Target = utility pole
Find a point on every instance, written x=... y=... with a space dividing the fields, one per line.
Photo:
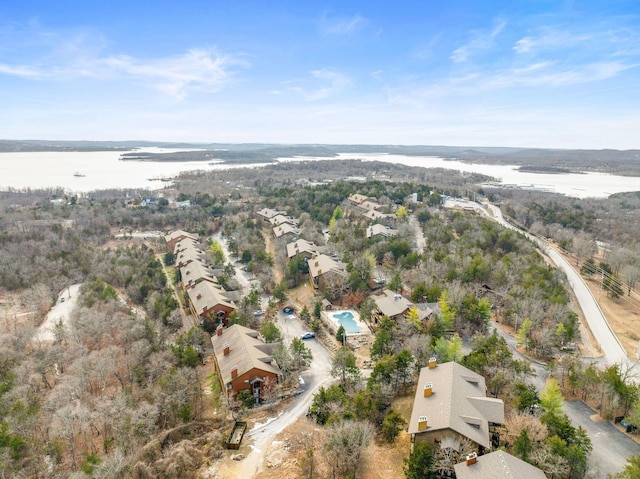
x=601 y=283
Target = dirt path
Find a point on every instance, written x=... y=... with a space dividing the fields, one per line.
x=278 y=275
x=59 y=312
x=188 y=321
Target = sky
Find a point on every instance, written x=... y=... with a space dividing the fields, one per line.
x=536 y=73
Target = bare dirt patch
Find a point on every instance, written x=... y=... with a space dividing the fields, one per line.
x=290 y=454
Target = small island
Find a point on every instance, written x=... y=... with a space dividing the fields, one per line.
x=553 y=170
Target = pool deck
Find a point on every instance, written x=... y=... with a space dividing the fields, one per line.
x=329 y=320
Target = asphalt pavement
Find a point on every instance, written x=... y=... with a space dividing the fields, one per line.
x=318 y=374
x=611 y=447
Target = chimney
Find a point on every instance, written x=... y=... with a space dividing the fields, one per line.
x=198 y=296
x=219 y=330
x=472 y=458
x=422 y=423
x=428 y=389
x=316 y=263
x=234 y=372
x=226 y=348
x=433 y=361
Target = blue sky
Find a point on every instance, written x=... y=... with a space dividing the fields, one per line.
x=477 y=73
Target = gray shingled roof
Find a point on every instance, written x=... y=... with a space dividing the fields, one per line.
x=321 y=264
x=178 y=233
x=269 y=213
x=196 y=271
x=186 y=244
x=458 y=402
x=189 y=254
x=246 y=351
x=207 y=295
x=281 y=219
x=390 y=303
x=300 y=246
x=285 y=228
x=498 y=465
x=380 y=230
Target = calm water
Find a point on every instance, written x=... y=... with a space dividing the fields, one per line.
x=101 y=170
x=104 y=170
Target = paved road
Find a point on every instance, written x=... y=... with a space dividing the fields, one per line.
x=318 y=374
x=613 y=350
x=611 y=447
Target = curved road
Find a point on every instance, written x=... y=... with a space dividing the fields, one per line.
x=613 y=350
x=317 y=375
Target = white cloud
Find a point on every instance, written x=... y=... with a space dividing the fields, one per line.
x=324 y=83
x=197 y=69
x=24 y=71
x=343 y=25
x=81 y=53
x=481 y=40
x=552 y=39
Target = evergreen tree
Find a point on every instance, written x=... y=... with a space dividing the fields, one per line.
x=419 y=465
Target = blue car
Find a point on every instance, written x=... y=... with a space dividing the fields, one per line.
x=288 y=310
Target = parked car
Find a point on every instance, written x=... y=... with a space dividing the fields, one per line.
x=258 y=313
x=287 y=310
x=307 y=335
x=62 y=300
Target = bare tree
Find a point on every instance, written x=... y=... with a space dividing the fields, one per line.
x=270 y=393
x=584 y=248
x=344 y=446
x=630 y=272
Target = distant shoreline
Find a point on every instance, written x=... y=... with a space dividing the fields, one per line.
x=549 y=170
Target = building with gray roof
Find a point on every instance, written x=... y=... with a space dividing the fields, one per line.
x=497 y=465
x=451 y=405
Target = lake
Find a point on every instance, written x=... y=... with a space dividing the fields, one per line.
x=104 y=170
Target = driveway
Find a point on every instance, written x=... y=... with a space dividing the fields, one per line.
x=244 y=278
x=611 y=447
x=317 y=375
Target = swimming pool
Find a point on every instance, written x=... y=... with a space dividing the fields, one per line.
x=346 y=319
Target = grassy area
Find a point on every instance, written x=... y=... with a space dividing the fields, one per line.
x=215 y=388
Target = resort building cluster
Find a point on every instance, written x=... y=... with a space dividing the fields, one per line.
x=451 y=410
